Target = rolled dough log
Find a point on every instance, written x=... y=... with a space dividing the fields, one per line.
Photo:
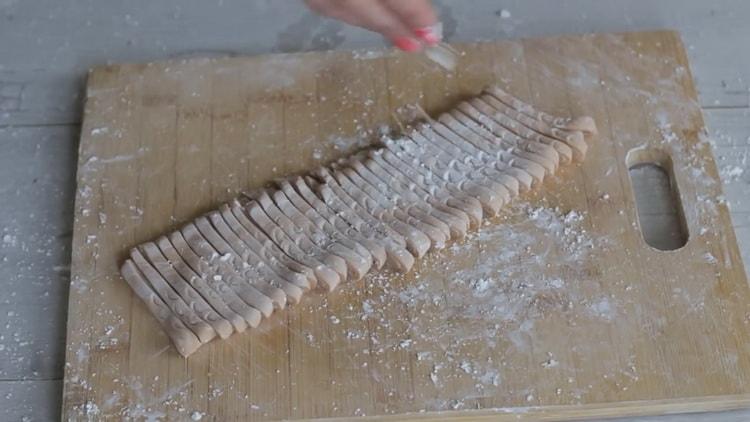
x=183 y=339
x=322 y=217
x=271 y=248
x=519 y=180
x=328 y=277
x=358 y=264
x=253 y=268
x=195 y=298
x=397 y=256
x=217 y=299
x=250 y=314
x=556 y=138
x=255 y=278
x=436 y=230
x=456 y=220
x=220 y=269
x=584 y=124
x=300 y=237
x=385 y=206
x=420 y=178
x=511 y=143
x=417 y=242
x=177 y=304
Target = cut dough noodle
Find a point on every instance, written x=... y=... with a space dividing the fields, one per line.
x=232 y=268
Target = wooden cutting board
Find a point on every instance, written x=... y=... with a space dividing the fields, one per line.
x=558 y=308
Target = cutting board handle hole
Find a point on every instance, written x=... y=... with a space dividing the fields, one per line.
x=661 y=216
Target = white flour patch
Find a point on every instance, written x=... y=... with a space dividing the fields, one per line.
x=9 y=240
x=602 y=308
x=362 y=139
x=348 y=144
x=370 y=54
x=478 y=305
x=731 y=173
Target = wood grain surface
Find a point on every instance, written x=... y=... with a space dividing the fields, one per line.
x=557 y=309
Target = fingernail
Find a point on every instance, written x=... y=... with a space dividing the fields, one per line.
x=427 y=35
x=407 y=44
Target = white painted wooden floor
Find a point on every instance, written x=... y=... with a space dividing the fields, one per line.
x=47 y=45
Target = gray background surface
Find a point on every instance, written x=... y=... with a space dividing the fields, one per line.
x=46 y=46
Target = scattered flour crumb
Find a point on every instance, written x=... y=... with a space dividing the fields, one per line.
x=9 y=239
x=481 y=285
x=710 y=258
x=731 y=173
x=91 y=408
x=603 y=309
x=572 y=217
x=550 y=363
x=423 y=355
x=556 y=283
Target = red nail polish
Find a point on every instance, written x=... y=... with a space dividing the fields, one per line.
x=407 y=44
x=427 y=35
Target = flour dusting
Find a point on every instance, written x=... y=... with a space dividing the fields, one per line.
x=488 y=298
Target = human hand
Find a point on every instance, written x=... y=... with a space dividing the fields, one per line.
x=408 y=24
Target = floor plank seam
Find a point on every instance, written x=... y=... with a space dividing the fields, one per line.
x=38 y=125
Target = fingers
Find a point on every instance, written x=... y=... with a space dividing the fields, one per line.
x=369 y=14
x=417 y=15
x=403 y=22
x=374 y=15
